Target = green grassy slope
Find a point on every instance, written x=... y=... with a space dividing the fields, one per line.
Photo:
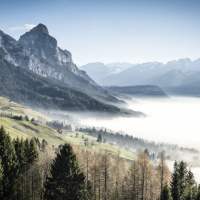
x=27 y=129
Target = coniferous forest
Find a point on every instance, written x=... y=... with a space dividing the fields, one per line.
x=31 y=169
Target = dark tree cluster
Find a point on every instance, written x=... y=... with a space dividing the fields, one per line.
x=59 y=125
x=182 y=186
x=33 y=170
x=15 y=117
x=16 y=158
x=66 y=180
x=26 y=172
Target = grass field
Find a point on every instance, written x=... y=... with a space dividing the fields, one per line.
x=27 y=129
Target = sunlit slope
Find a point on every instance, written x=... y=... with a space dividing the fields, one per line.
x=28 y=129
x=10 y=107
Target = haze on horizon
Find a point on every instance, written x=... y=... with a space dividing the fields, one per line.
x=112 y=31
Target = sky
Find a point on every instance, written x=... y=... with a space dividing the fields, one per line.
x=111 y=30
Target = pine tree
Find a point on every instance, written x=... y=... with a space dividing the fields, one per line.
x=1 y=181
x=182 y=174
x=190 y=179
x=162 y=171
x=30 y=151
x=99 y=138
x=33 y=152
x=30 y=157
x=175 y=183
x=191 y=188
x=19 y=150
x=165 y=193
x=183 y=185
x=9 y=165
x=66 y=181
x=198 y=193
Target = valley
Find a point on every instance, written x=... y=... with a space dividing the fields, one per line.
x=127 y=135
x=99 y=100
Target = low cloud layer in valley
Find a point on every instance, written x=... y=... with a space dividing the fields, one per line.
x=172 y=120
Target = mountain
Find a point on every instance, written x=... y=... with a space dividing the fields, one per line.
x=22 y=85
x=98 y=71
x=136 y=75
x=139 y=90
x=35 y=71
x=131 y=74
x=38 y=51
x=178 y=77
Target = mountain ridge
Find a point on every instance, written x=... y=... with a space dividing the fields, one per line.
x=39 y=52
x=22 y=85
x=138 y=90
x=36 y=59
x=173 y=76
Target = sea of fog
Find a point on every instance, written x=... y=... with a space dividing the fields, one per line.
x=174 y=120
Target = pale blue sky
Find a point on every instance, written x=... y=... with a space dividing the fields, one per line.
x=112 y=30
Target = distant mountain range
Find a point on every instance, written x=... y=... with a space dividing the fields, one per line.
x=177 y=77
x=138 y=91
x=36 y=71
x=99 y=71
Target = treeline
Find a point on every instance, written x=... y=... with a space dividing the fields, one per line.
x=21 y=169
x=127 y=141
x=16 y=160
x=59 y=125
x=19 y=117
x=182 y=186
x=33 y=170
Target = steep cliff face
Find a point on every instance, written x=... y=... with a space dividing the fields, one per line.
x=8 y=48
x=35 y=71
x=46 y=58
x=24 y=86
x=38 y=51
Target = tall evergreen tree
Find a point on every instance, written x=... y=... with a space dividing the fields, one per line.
x=19 y=150
x=66 y=181
x=1 y=180
x=99 y=138
x=191 y=187
x=175 y=183
x=30 y=151
x=33 y=152
x=182 y=174
x=165 y=193
x=183 y=186
x=198 y=193
x=9 y=165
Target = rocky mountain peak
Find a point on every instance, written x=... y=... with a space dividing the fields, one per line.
x=39 y=34
x=40 y=44
x=38 y=51
x=40 y=28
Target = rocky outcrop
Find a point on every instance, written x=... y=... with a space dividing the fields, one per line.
x=38 y=51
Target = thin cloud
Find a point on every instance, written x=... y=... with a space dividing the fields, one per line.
x=25 y=27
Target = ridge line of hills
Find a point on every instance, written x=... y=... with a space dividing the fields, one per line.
x=177 y=77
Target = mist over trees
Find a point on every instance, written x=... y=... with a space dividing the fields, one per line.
x=138 y=144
